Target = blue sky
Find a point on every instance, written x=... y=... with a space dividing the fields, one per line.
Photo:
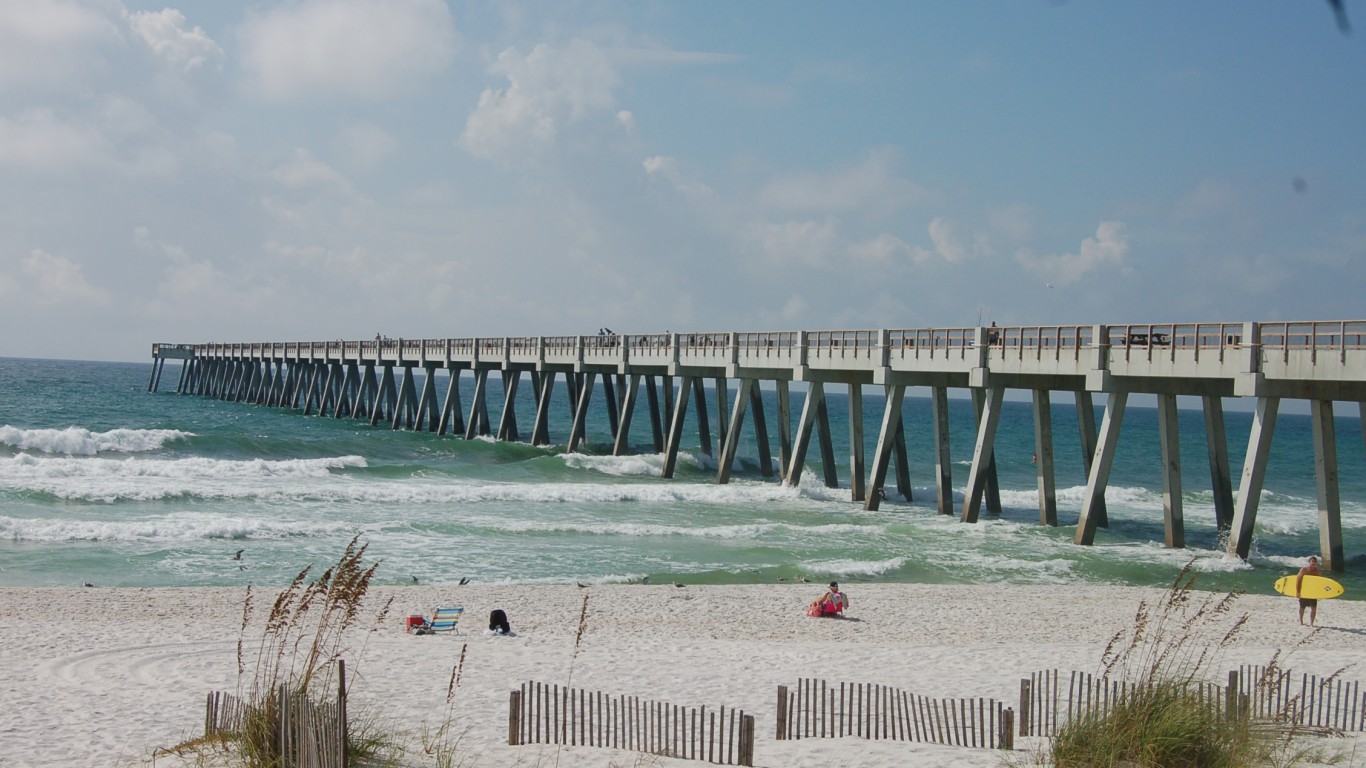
x=210 y=171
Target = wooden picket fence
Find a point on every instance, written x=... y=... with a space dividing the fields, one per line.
x=1048 y=699
x=305 y=734
x=1305 y=700
x=817 y=709
x=541 y=713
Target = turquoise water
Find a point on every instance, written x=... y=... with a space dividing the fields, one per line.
x=103 y=482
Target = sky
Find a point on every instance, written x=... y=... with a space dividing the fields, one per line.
x=205 y=171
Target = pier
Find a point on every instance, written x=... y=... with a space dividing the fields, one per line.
x=1322 y=362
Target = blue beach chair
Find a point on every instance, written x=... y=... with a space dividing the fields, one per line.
x=443 y=620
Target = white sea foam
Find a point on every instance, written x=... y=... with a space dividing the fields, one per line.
x=77 y=441
x=98 y=479
x=741 y=531
x=852 y=568
x=174 y=528
x=639 y=465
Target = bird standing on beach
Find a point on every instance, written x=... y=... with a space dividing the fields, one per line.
x=679 y=585
x=88 y=584
x=414 y=579
x=581 y=585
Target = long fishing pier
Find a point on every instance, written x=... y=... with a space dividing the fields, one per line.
x=1322 y=362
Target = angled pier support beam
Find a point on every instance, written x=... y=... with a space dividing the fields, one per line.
x=982 y=458
x=731 y=443
x=1254 y=474
x=311 y=389
x=656 y=426
x=578 y=430
x=609 y=396
x=1043 y=458
x=901 y=462
x=360 y=405
x=385 y=398
x=478 y=424
x=540 y=433
x=507 y=422
x=667 y=384
x=826 y=443
x=327 y=392
x=452 y=419
x=993 y=483
x=427 y=409
x=756 y=406
x=1086 y=424
x=699 y=394
x=886 y=438
x=1169 y=435
x=1326 y=474
x=812 y=409
x=943 y=460
x=679 y=415
x=406 y=407
x=630 y=393
x=722 y=406
x=1099 y=474
x=785 y=427
x=1216 y=443
x=857 y=490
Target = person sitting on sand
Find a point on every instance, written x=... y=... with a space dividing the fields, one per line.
x=832 y=603
x=1312 y=569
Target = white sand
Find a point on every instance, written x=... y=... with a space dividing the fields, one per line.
x=105 y=676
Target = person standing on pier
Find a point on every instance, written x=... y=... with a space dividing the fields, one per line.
x=1312 y=569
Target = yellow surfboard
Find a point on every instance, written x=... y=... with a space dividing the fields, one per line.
x=1315 y=587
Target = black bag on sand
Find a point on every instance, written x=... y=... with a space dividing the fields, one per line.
x=498 y=622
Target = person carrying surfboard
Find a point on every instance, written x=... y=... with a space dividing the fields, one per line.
x=1312 y=569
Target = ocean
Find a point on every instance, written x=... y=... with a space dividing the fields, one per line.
x=102 y=482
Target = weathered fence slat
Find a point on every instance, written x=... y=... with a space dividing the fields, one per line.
x=545 y=713
x=815 y=708
x=1260 y=693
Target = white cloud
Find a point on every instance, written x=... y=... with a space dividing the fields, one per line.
x=885 y=250
x=365 y=146
x=547 y=89
x=802 y=243
x=1106 y=249
x=56 y=281
x=367 y=49
x=871 y=185
x=659 y=166
x=1015 y=222
x=50 y=42
x=39 y=140
x=1209 y=198
x=164 y=32
x=948 y=242
x=303 y=170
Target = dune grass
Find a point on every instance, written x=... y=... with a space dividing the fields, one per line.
x=1162 y=720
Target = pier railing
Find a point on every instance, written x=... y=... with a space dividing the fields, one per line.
x=1316 y=337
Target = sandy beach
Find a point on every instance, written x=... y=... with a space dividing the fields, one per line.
x=107 y=676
